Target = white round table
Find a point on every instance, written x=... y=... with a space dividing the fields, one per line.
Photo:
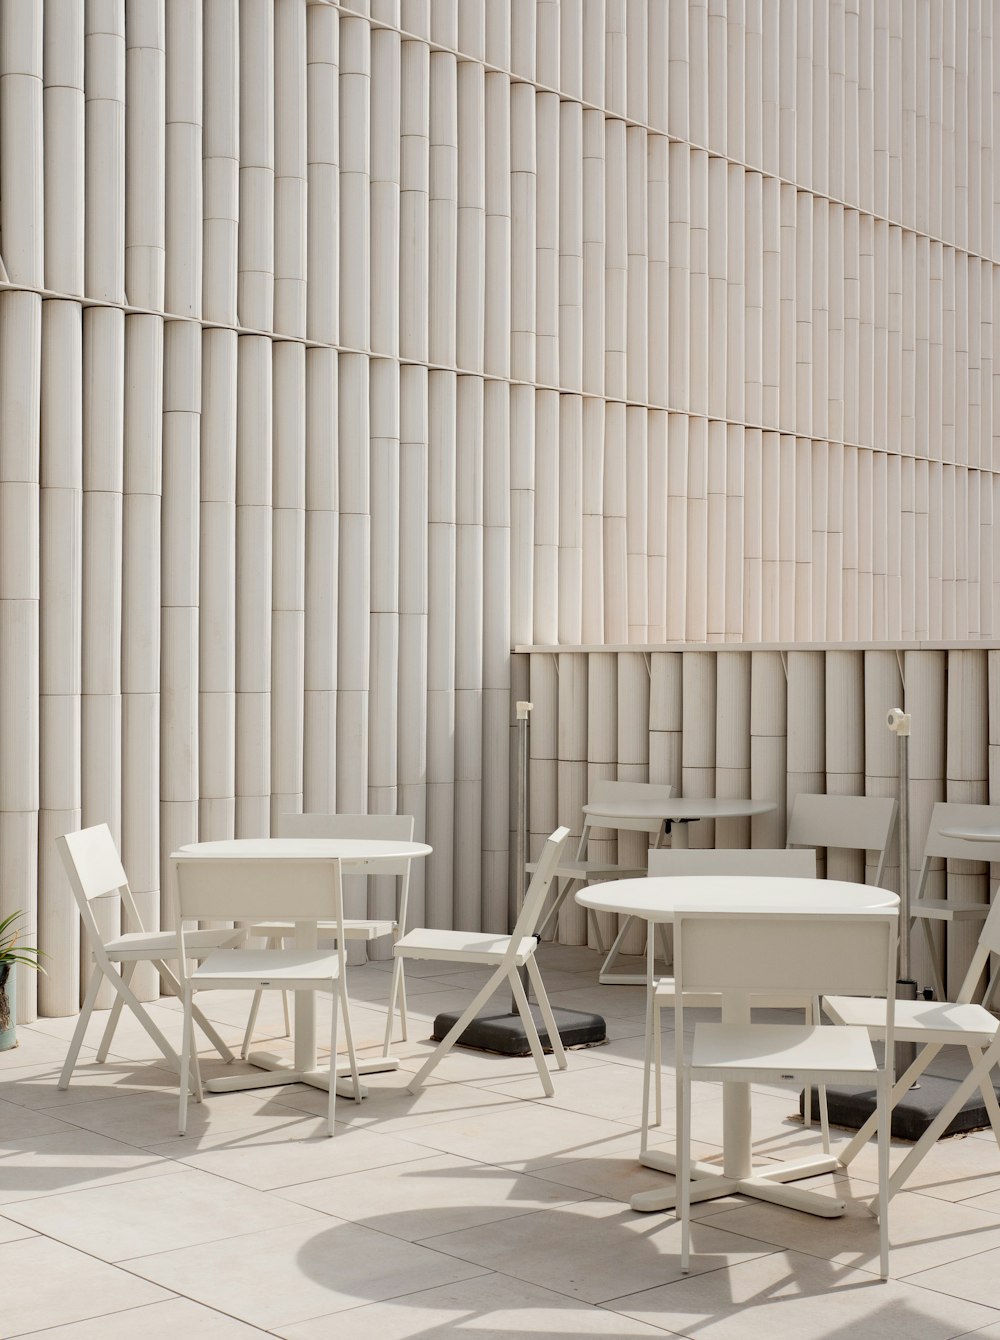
x=356 y=855
x=679 y=810
x=655 y=899
x=675 y=813
x=972 y=833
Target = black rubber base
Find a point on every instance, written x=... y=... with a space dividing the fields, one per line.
x=851 y=1107
x=504 y=1033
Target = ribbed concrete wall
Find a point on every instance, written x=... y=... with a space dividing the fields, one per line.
x=770 y=722
x=343 y=346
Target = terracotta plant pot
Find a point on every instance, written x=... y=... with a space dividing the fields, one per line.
x=8 y=1007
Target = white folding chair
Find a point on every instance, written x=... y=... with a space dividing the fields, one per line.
x=946 y=814
x=799 y=864
x=382 y=827
x=95 y=871
x=761 y=952
x=211 y=888
x=854 y=823
x=935 y=1024
x=581 y=870
x=505 y=954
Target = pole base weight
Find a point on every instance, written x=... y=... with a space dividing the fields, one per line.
x=504 y=1033
x=852 y=1106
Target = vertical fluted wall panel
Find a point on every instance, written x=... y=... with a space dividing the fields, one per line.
x=179 y=593
x=146 y=426
x=253 y=585
x=693 y=312
x=103 y=469
x=288 y=525
x=59 y=647
x=290 y=167
x=217 y=587
x=20 y=380
x=323 y=184
x=64 y=137
x=221 y=161
x=441 y=590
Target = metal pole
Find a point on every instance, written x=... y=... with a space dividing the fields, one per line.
x=906 y=988
x=521 y=846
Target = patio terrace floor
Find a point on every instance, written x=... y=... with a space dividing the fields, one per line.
x=475 y=1208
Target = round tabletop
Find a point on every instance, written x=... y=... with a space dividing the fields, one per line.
x=971 y=834
x=344 y=849
x=656 y=898
x=681 y=809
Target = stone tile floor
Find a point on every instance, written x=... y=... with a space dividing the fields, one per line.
x=475 y=1208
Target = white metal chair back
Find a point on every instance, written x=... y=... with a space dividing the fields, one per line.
x=217 y=888
x=605 y=790
x=777 y=861
x=94 y=869
x=778 y=952
x=379 y=827
x=246 y=889
x=534 y=898
x=856 y=823
x=989 y=943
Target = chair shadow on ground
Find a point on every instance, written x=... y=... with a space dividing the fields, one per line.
x=639 y=1254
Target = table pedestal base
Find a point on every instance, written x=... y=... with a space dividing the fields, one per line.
x=711 y=1182
x=275 y=1069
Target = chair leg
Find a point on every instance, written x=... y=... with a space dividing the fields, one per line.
x=128 y=972
x=352 y=1058
x=251 y=1023
x=135 y=1005
x=541 y=995
x=595 y=925
x=208 y=1029
x=925 y=923
x=944 y=1118
x=404 y=1018
x=647 y=1045
x=187 y=1047
x=661 y=931
x=531 y=1032
x=901 y=1087
x=988 y=1092
x=614 y=951
x=330 y=1127
x=93 y=986
x=815 y=1016
x=683 y=1152
x=552 y=916
x=397 y=970
x=658 y=1064
x=457 y=1029
x=885 y=1121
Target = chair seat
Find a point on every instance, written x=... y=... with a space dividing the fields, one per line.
x=924 y=1021
x=359 y=929
x=793 y=1051
x=593 y=870
x=943 y=909
x=461 y=946
x=666 y=993
x=163 y=944
x=266 y=967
